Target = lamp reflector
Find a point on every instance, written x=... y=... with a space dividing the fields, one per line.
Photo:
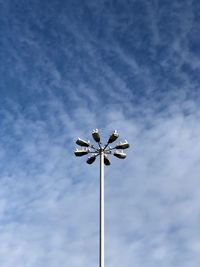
x=96 y=135
x=106 y=161
x=120 y=155
x=123 y=145
x=81 y=152
x=113 y=137
x=82 y=142
x=91 y=159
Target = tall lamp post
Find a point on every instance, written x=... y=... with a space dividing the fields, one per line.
x=102 y=151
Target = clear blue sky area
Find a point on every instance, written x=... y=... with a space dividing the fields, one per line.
x=67 y=67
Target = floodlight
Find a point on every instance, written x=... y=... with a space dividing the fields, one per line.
x=106 y=161
x=81 y=152
x=120 y=155
x=91 y=159
x=82 y=142
x=113 y=137
x=95 y=135
x=101 y=150
x=123 y=145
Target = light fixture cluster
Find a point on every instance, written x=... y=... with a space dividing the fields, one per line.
x=88 y=148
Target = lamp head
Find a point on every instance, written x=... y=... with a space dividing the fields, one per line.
x=96 y=135
x=123 y=145
x=82 y=142
x=106 y=161
x=113 y=137
x=91 y=159
x=81 y=152
x=119 y=155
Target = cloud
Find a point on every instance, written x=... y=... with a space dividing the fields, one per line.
x=99 y=67
x=49 y=199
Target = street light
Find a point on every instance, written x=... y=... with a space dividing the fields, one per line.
x=123 y=145
x=81 y=152
x=95 y=135
x=119 y=154
x=113 y=137
x=91 y=159
x=102 y=151
x=82 y=142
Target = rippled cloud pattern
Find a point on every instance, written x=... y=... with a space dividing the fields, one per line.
x=68 y=67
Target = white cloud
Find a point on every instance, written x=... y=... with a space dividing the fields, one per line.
x=49 y=199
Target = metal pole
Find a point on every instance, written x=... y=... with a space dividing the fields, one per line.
x=101 y=239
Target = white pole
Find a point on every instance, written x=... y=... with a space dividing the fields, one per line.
x=101 y=239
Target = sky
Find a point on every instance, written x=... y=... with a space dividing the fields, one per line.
x=68 y=67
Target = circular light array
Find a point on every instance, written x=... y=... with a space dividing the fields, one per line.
x=88 y=148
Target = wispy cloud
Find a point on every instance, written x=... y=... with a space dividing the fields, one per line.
x=67 y=69
x=49 y=200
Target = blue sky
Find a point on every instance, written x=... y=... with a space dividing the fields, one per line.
x=68 y=67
